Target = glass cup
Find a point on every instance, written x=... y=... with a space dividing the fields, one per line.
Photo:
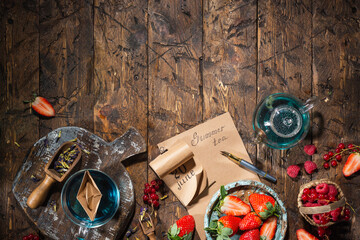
x=281 y=120
x=108 y=206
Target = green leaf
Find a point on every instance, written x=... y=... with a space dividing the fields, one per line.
x=223 y=192
x=269 y=206
x=187 y=236
x=226 y=231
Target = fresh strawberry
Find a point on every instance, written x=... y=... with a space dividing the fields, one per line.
x=42 y=106
x=250 y=235
x=268 y=229
x=302 y=234
x=182 y=229
x=226 y=227
x=234 y=206
x=264 y=205
x=352 y=164
x=250 y=221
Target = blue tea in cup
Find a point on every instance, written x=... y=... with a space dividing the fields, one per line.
x=281 y=120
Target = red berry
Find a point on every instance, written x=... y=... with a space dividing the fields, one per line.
x=36 y=238
x=156 y=187
x=332 y=199
x=306 y=191
x=333 y=163
x=305 y=197
x=312 y=190
x=159 y=182
x=154 y=196
x=146 y=198
x=330 y=154
x=346 y=218
x=347 y=212
x=321 y=231
x=328 y=232
x=338 y=158
x=350 y=146
x=155 y=203
x=341 y=146
x=150 y=202
x=337 y=150
x=153 y=182
x=326 y=165
x=25 y=238
x=326 y=157
x=147 y=185
x=313 y=197
x=147 y=190
x=153 y=190
x=309 y=149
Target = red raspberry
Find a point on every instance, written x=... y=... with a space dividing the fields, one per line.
x=321 y=231
x=293 y=171
x=309 y=204
x=310 y=149
x=332 y=190
x=310 y=167
x=316 y=218
x=335 y=214
x=322 y=188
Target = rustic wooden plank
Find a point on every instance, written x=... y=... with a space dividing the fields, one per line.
x=66 y=52
x=284 y=65
x=336 y=51
x=19 y=73
x=175 y=100
x=229 y=64
x=120 y=35
x=120 y=78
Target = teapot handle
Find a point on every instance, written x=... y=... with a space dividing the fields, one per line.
x=310 y=103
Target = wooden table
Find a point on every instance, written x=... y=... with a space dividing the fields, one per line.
x=164 y=66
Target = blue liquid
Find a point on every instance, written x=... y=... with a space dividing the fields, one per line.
x=108 y=204
x=283 y=121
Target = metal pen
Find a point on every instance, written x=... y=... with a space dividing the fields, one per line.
x=249 y=166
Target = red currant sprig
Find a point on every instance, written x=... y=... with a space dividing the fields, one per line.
x=340 y=151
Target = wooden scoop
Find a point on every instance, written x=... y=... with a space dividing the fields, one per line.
x=38 y=196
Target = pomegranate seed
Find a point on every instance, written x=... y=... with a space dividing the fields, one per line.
x=338 y=158
x=341 y=146
x=326 y=165
x=330 y=154
x=326 y=157
x=333 y=163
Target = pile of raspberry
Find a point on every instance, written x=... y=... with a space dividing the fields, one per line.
x=324 y=194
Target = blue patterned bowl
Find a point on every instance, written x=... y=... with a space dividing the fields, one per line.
x=243 y=189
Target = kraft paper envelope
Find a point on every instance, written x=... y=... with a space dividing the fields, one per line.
x=206 y=141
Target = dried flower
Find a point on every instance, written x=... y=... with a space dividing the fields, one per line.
x=18 y=145
x=53 y=204
x=34 y=178
x=58 y=136
x=65 y=159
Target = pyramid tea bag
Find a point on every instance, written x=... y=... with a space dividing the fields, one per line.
x=89 y=195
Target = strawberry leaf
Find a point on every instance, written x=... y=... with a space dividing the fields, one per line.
x=226 y=231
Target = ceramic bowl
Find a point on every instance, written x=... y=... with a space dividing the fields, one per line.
x=243 y=189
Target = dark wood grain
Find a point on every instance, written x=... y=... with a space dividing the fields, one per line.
x=164 y=66
x=175 y=102
x=19 y=79
x=336 y=76
x=284 y=65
